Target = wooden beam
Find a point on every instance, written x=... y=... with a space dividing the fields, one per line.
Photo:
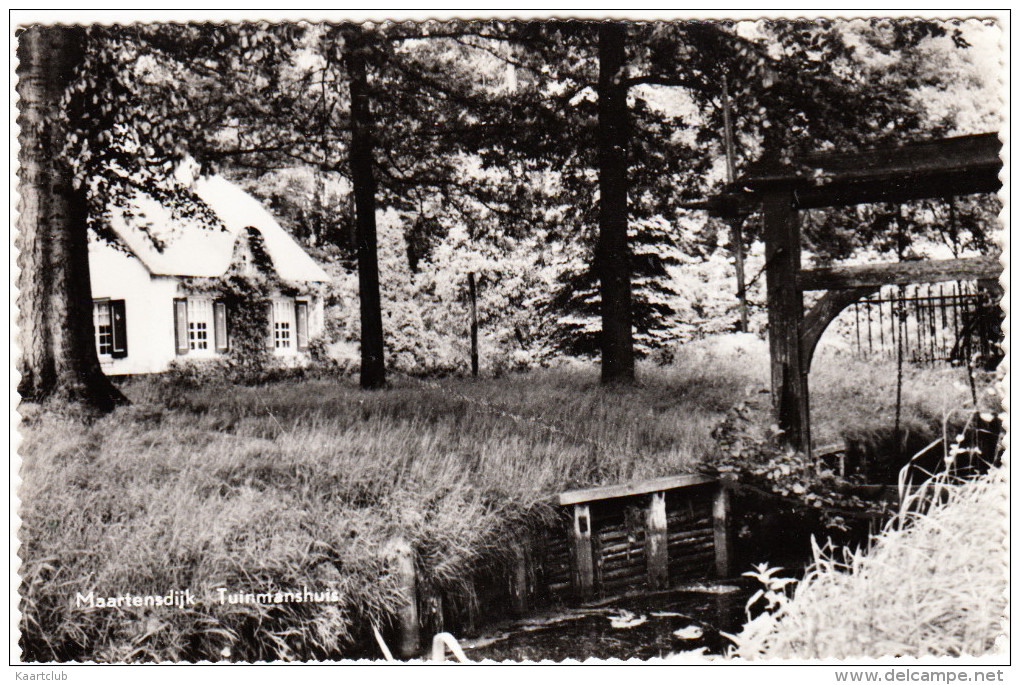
x=641 y=487
x=821 y=315
x=899 y=273
x=932 y=168
x=785 y=312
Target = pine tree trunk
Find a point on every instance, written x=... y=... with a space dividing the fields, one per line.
x=612 y=258
x=58 y=353
x=373 y=369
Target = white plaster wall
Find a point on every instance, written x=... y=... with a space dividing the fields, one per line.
x=316 y=317
x=148 y=305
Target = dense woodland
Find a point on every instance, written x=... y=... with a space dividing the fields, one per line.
x=532 y=186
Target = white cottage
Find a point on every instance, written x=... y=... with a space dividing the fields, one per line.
x=144 y=314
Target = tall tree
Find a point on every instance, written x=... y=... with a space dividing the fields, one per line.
x=58 y=352
x=373 y=367
x=612 y=257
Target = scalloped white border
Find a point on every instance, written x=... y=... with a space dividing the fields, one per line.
x=788 y=672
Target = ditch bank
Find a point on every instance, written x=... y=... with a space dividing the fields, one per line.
x=638 y=570
x=604 y=542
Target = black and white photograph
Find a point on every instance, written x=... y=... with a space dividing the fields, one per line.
x=510 y=339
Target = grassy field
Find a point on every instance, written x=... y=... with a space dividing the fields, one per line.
x=305 y=482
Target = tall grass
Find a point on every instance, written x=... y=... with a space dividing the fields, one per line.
x=934 y=583
x=855 y=399
x=305 y=482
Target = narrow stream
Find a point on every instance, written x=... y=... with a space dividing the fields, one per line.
x=641 y=626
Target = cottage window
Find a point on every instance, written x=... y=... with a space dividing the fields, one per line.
x=288 y=328
x=103 y=322
x=109 y=319
x=200 y=325
x=283 y=315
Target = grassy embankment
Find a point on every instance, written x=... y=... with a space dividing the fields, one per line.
x=303 y=483
x=932 y=584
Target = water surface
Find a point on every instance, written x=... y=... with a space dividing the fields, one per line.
x=641 y=626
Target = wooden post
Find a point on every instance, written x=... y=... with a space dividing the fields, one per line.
x=520 y=582
x=582 y=569
x=737 y=236
x=401 y=560
x=720 y=524
x=736 y=223
x=473 y=300
x=656 y=542
x=786 y=312
x=432 y=621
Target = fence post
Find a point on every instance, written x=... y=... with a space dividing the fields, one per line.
x=657 y=542
x=721 y=530
x=582 y=571
x=401 y=558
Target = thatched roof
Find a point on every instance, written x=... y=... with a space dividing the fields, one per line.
x=191 y=249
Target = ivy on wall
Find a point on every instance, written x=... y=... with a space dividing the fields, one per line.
x=246 y=290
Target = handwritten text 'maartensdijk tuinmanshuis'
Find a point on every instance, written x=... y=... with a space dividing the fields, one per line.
x=183 y=599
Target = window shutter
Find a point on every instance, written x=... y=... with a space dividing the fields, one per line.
x=270 y=342
x=181 y=325
x=220 y=326
x=118 y=315
x=301 y=324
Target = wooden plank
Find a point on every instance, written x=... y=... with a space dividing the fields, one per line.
x=785 y=313
x=684 y=548
x=582 y=568
x=656 y=542
x=627 y=489
x=692 y=534
x=721 y=515
x=899 y=273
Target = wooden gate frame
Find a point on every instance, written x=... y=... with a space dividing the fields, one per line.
x=940 y=168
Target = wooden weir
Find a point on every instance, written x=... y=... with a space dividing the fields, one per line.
x=649 y=534
x=646 y=534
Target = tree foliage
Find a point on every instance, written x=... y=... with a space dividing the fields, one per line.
x=485 y=140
